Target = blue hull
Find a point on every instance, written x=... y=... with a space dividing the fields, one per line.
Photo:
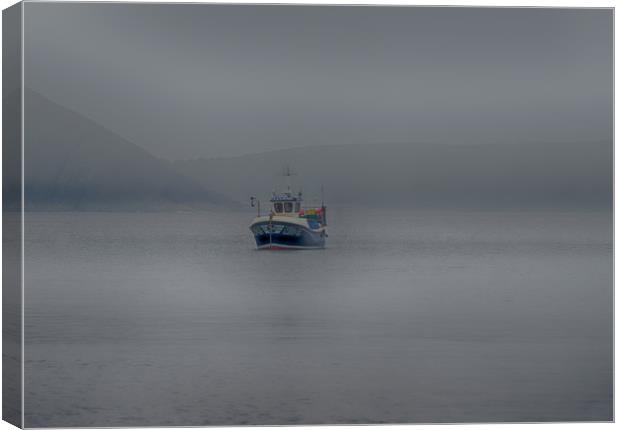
x=283 y=235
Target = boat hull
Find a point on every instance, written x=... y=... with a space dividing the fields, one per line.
x=282 y=235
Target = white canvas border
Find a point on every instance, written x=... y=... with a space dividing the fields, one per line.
x=479 y=3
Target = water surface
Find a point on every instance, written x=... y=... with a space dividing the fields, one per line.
x=407 y=316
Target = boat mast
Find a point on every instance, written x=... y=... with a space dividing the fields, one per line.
x=287 y=174
x=323 y=208
x=255 y=202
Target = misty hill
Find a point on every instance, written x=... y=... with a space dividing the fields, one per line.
x=71 y=162
x=426 y=175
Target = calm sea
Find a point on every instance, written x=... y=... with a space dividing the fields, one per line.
x=407 y=316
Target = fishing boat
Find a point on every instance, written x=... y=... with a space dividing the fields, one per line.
x=288 y=224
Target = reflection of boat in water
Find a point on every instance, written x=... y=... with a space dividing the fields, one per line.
x=289 y=225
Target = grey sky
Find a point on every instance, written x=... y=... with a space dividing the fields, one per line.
x=186 y=81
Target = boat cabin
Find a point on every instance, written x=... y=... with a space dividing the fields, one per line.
x=286 y=203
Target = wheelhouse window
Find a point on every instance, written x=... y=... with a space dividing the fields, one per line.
x=297 y=207
x=288 y=207
x=277 y=207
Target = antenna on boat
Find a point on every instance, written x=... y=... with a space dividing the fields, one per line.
x=287 y=173
x=323 y=208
